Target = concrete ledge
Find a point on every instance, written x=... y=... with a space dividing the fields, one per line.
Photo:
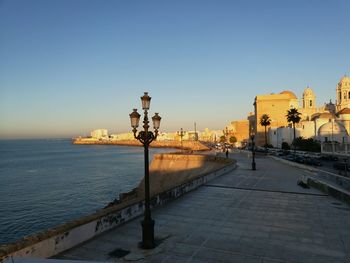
x=188 y=145
x=294 y=164
x=339 y=180
x=335 y=185
x=330 y=189
x=66 y=236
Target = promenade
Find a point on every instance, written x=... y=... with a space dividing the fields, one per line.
x=243 y=216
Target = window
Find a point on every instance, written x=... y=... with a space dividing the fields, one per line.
x=310 y=103
x=349 y=94
x=325 y=139
x=339 y=96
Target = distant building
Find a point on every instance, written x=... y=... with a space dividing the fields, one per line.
x=99 y=134
x=210 y=135
x=240 y=130
x=123 y=136
x=312 y=117
x=166 y=136
x=276 y=106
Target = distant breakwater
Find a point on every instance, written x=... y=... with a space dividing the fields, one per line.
x=186 y=145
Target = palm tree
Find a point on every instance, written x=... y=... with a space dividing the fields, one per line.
x=265 y=121
x=293 y=116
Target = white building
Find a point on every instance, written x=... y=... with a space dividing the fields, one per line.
x=277 y=136
x=123 y=136
x=99 y=134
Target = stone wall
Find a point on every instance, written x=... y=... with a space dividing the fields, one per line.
x=66 y=236
x=188 y=145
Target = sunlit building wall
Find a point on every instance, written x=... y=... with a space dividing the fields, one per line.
x=99 y=134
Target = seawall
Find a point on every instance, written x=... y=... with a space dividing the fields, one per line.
x=172 y=175
x=188 y=145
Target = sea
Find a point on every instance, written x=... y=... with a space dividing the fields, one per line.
x=44 y=183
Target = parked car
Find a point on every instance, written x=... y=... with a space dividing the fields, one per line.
x=299 y=159
x=340 y=165
x=312 y=161
x=329 y=158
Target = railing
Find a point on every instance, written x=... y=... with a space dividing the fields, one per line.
x=335 y=148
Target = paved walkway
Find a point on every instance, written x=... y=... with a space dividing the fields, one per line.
x=243 y=216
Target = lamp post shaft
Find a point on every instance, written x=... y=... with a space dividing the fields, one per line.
x=181 y=136
x=253 y=154
x=147 y=223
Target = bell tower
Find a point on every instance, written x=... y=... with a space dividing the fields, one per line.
x=309 y=99
x=309 y=103
x=343 y=93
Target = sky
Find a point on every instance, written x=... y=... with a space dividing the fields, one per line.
x=69 y=66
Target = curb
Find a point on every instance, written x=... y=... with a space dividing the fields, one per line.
x=332 y=190
x=326 y=187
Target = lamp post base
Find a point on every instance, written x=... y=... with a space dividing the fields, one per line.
x=147 y=234
x=253 y=166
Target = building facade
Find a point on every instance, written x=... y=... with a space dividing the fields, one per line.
x=99 y=134
x=240 y=130
x=312 y=117
x=276 y=106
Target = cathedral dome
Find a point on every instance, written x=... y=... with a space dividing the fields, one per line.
x=335 y=129
x=291 y=94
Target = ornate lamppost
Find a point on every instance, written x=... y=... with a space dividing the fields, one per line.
x=181 y=136
x=146 y=137
x=252 y=137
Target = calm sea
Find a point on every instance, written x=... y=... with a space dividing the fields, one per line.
x=44 y=183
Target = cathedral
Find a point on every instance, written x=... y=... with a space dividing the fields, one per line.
x=328 y=123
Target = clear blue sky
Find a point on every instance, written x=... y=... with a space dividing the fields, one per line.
x=70 y=66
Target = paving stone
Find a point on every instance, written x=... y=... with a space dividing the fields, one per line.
x=271 y=220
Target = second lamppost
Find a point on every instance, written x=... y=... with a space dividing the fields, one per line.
x=146 y=137
x=252 y=137
x=181 y=136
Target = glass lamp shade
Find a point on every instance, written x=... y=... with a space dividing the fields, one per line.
x=156 y=121
x=146 y=101
x=135 y=118
x=252 y=131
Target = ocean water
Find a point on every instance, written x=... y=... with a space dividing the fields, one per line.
x=44 y=183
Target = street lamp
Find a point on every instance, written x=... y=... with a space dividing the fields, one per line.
x=146 y=137
x=181 y=136
x=252 y=137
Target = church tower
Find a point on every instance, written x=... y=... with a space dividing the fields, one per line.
x=343 y=93
x=309 y=103
x=309 y=99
